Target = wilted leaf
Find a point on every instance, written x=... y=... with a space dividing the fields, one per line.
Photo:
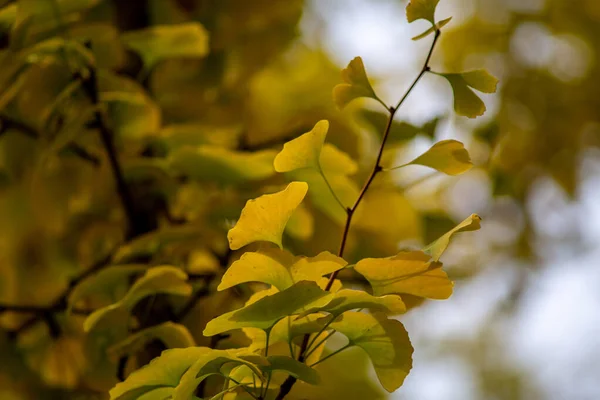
x=279 y=268
x=436 y=27
x=421 y=9
x=466 y=102
x=162 y=42
x=172 y=335
x=266 y=312
x=384 y=340
x=447 y=156
x=164 y=371
x=411 y=272
x=304 y=151
x=437 y=248
x=217 y=164
x=264 y=218
x=357 y=84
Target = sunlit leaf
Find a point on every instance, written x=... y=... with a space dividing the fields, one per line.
x=409 y=272
x=356 y=84
x=264 y=218
x=172 y=335
x=162 y=42
x=279 y=268
x=348 y=299
x=447 y=156
x=439 y=25
x=421 y=9
x=304 y=151
x=163 y=371
x=466 y=102
x=293 y=367
x=384 y=340
x=217 y=164
x=437 y=248
x=266 y=312
x=301 y=224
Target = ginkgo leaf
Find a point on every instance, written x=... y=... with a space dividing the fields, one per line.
x=408 y=272
x=439 y=25
x=466 y=102
x=293 y=367
x=279 y=268
x=164 y=371
x=304 y=151
x=161 y=42
x=264 y=218
x=421 y=9
x=347 y=299
x=133 y=114
x=447 y=156
x=217 y=164
x=207 y=365
x=103 y=282
x=356 y=84
x=384 y=340
x=172 y=335
x=334 y=161
x=114 y=315
x=165 y=279
x=437 y=248
x=266 y=312
x=400 y=131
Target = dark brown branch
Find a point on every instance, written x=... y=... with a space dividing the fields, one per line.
x=287 y=385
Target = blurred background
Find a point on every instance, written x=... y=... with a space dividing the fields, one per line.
x=523 y=322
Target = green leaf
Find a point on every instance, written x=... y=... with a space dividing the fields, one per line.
x=279 y=268
x=216 y=164
x=421 y=9
x=347 y=299
x=107 y=318
x=356 y=84
x=161 y=42
x=134 y=115
x=293 y=367
x=164 y=371
x=165 y=279
x=384 y=340
x=447 y=156
x=304 y=151
x=264 y=218
x=266 y=312
x=408 y=272
x=172 y=335
x=434 y=28
x=209 y=364
x=103 y=282
x=466 y=102
x=437 y=248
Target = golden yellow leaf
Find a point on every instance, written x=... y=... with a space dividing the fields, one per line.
x=447 y=156
x=356 y=84
x=304 y=151
x=264 y=218
x=437 y=248
x=421 y=9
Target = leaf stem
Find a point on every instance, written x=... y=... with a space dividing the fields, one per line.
x=331 y=355
x=313 y=349
x=331 y=188
x=287 y=385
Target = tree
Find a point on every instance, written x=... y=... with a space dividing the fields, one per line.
x=127 y=157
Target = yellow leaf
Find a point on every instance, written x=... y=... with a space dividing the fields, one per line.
x=264 y=218
x=304 y=151
x=421 y=9
x=466 y=102
x=356 y=84
x=447 y=156
x=437 y=248
x=411 y=272
x=279 y=268
x=434 y=28
x=301 y=224
x=336 y=162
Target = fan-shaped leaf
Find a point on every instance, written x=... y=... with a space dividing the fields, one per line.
x=264 y=218
x=447 y=156
x=293 y=367
x=411 y=272
x=265 y=312
x=279 y=268
x=166 y=279
x=421 y=9
x=466 y=102
x=356 y=84
x=384 y=340
x=172 y=335
x=347 y=299
x=304 y=151
x=437 y=248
